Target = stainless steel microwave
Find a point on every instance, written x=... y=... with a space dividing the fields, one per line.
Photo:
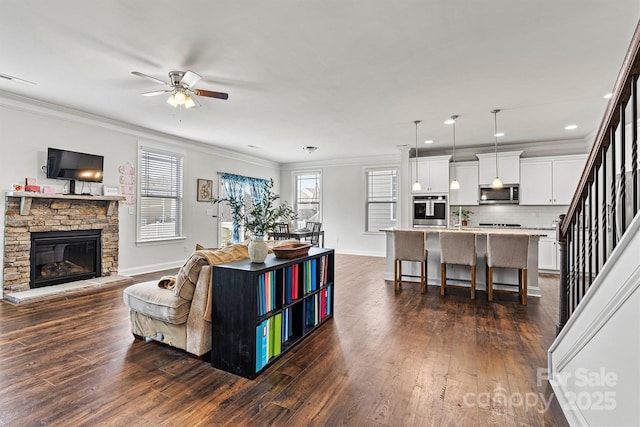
x=509 y=194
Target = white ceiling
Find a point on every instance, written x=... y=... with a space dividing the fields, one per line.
x=349 y=76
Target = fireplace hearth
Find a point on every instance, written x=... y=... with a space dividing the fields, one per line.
x=64 y=256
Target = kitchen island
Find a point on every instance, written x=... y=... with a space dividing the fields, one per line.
x=461 y=274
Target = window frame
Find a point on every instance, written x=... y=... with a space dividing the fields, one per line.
x=295 y=179
x=177 y=187
x=393 y=201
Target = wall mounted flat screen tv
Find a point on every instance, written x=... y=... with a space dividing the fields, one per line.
x=65 y=164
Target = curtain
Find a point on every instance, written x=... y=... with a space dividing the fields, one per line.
x=236 y=186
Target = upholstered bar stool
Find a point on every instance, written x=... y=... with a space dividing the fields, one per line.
x=457 y=248
x=508 y=251
x=409 y=245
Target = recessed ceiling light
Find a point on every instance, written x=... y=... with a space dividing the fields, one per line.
x=254 y=147
x=429 y=141
x=499 y=134
x=571 y=127
x=608 y=96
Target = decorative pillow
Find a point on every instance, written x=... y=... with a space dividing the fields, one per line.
x=187 y=276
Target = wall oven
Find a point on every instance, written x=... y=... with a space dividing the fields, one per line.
x=430 y=211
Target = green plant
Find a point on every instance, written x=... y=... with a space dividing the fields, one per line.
x=464 y=213
x=262 y=216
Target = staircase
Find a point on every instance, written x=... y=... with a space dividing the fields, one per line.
x=594 y=363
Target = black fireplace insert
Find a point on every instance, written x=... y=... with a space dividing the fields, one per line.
x=65 y=256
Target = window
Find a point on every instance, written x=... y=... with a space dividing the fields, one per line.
x=307 y=198
x=382 y=196
x=160 y=196
x=244 y=189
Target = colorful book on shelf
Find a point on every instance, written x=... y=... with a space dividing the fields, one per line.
x=324 y=271
x=262 y=337
x=260 y=297
x=314 y=274
x=277 y=334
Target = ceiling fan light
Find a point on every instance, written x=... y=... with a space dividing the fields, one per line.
x=189 y=103
x=172 y=100
x=496 y=184
x=180 y=97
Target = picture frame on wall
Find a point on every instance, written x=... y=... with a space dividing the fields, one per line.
x=205 y=187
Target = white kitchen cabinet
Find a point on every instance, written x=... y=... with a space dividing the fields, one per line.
x=467 y=175
x=548 y=253
x=433 y=174
x=550 y=180
x=566 y=174
x=508 y=167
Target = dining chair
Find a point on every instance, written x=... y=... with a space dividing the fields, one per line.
x=315 y=228
x=508 y=251
x=460 y=249
x=409 y=245
x=281 y=231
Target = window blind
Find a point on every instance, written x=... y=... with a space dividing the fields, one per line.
x=381 y=204
x=160 y=200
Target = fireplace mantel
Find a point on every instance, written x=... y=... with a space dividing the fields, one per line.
x=26 y=198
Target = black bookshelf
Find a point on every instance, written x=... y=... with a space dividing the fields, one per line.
x=301 y=292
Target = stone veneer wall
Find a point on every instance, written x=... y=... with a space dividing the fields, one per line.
x=55 y=215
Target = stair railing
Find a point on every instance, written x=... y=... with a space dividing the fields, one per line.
x=606 y=199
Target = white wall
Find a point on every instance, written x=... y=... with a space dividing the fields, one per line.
x=28 y=128
x=343 y=201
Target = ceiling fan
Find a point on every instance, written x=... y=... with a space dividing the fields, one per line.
x=181 y=88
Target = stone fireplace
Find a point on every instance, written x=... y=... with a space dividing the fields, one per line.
x=90 y=225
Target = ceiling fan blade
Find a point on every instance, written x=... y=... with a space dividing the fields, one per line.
x=156 y=92
x=144 y=76
x=211 y=94
x=190 y=79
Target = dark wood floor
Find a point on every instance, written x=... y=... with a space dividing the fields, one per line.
x=384 y=360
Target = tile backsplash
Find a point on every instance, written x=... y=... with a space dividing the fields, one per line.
x=528 y=216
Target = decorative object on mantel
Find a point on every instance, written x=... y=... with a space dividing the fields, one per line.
x=128 y=183
x=110 y=191
x=204 y=190
x=260 y=218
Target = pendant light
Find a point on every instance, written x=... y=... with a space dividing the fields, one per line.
x=497 y=182
x=416 y=185
x=455 y=185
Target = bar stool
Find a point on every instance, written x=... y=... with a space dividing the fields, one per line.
x=409 y=245
x=508 y=251
x=457 y=248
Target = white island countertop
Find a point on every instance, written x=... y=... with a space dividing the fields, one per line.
x=475 y=230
